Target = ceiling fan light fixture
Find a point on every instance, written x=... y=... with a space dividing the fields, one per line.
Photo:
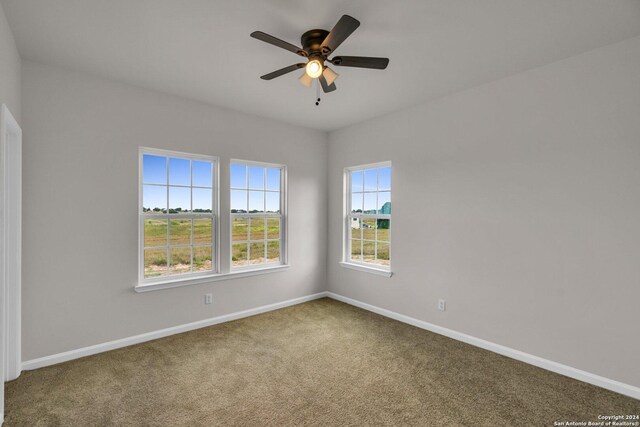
x=313 y=69
x=317 y=45
x=305 y=79
x=330 y=75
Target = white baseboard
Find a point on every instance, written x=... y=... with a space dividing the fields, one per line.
x=124 y=342
x=549 y=365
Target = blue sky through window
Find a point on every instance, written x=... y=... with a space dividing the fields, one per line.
x=239 y=200
x=180 y=198
x=356 y=181
x=256 y=178
x=255 y=189
x=202 y=174
x=181 y=172
x=273 y=179
x=238 y=176
x=202 y=199
x=154 y=197
x=154 y=169
x=273 y=202
x=364 y=197
x=256 y=201
x=369 y=202
x=384 y=179
x=370 y=176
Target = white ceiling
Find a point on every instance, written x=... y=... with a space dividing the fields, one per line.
x=201 y=49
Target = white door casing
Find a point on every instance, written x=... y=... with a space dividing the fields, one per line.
x=11 y=239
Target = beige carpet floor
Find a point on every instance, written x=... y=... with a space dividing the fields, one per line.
x=319 y=363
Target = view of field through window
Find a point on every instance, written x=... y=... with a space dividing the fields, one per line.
x=177 y=215
x=370 y=216
x=256 y=230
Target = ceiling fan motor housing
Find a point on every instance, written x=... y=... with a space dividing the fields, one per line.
x=312 y=43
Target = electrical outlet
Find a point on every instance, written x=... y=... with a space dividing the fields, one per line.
x=208 y=298
x=442 y=305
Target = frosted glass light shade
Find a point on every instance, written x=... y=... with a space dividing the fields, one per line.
x=329 y=75
x=305 y=79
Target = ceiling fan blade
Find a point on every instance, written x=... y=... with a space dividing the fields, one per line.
x=325 y=87
x=343 y=29
x=282 y=71
x=361 y=62
x=277 y=42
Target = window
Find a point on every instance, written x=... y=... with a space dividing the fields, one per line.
x=368 y=213
x=258 y=217
x=177 y=215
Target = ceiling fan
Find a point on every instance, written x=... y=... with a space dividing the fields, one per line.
x=317 y=46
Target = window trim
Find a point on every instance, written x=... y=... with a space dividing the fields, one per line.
x=346 y=260
x=283 y=216
x=177 y=282
x=215 y=214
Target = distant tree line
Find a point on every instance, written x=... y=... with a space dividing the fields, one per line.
x=175 y=211
x=251 y=212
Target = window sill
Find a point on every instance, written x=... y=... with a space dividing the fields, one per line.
x=367 y=269
x=176 y=283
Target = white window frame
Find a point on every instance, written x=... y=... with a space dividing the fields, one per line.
x=214 y=215
x=283 y=238
x=348 y=216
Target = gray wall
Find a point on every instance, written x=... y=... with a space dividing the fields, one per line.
x=81 y=139
x=519 y=203
x=9 y=68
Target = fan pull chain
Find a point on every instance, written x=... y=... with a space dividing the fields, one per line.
x=317 y=92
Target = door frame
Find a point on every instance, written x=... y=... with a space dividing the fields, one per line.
x=11 y=242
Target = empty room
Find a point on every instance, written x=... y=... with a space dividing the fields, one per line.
x=305 y=213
